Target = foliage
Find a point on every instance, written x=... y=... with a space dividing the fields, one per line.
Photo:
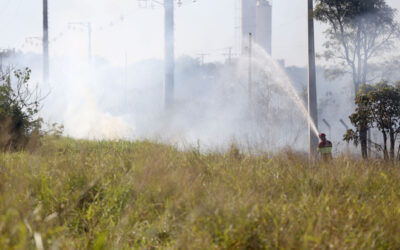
x=361 y=120
x=141 y=195
x=378 y=106
x=19 y=107
x=359 y=31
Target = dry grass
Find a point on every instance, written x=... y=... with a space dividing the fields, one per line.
x=118 y=195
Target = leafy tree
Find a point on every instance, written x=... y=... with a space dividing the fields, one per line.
x=377 y=106
x=359 y=31
x=19 y=108
x=385 y=101
x=362 y=120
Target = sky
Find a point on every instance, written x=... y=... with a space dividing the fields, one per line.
x=123 y=31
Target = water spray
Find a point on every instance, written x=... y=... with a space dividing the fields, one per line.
x=284 y=83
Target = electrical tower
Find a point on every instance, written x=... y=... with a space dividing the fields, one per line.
x=45 y=43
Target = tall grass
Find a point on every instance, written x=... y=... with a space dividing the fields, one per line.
x=71 y=194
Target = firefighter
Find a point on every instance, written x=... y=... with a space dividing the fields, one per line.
x=325 y=148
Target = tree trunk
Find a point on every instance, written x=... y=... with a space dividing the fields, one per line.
x=366 y=56
x=369 y=143
x=356 y=83
x=363 y=140
x=359 y=58
x=392 y=144
x=385 y=151
x=356 y=87
x=398 y=154
x=365 y=69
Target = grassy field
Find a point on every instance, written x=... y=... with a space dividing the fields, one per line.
x=71 y=194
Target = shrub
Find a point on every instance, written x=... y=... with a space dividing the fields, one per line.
x=19 y=108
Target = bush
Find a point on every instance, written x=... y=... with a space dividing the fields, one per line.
x=19 y=108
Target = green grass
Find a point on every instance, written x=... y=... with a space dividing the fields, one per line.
x=119 y=195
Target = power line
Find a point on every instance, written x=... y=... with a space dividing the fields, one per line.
x=32 y=41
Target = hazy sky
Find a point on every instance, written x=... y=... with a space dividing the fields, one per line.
x=206 y=26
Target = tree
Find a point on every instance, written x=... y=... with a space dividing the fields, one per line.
x=385 y=101
x=397 y=88
x=362 y=120
x=359 y=31
x=19 y=108
x=377 y=106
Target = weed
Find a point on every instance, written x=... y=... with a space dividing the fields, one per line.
x=76 y=194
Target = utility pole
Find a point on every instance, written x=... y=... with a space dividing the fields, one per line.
x=45 y=43
x=229 y=55
x=202 y=56
x=169 y=67
x=250 y=66
x=312 y=84
x=169 y=53
x=87 y=26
